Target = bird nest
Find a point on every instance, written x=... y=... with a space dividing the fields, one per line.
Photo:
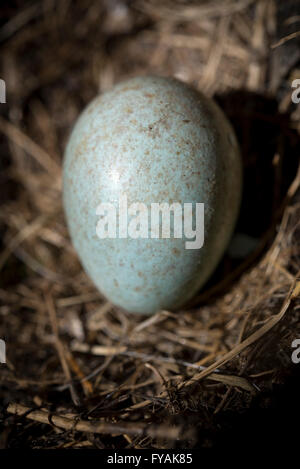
x=80 y=372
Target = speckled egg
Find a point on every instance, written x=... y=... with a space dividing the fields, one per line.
x=151 y=140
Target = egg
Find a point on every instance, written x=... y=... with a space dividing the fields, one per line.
x=151 y=186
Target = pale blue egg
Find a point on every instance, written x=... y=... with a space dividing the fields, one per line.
x=151 y=140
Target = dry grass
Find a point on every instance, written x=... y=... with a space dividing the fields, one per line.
x=86 y=373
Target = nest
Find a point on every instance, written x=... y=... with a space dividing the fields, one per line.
x=80 y=372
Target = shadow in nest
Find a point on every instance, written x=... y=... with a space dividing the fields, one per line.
x=267 y=424
x=270 y=150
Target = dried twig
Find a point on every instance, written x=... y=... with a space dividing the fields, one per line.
x=60 y=348
x=92 y=426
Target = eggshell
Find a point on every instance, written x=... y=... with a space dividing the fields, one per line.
x=156 y=140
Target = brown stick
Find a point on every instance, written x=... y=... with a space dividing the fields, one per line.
x=61 y=351
x=38 y=153
x=92 y=426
